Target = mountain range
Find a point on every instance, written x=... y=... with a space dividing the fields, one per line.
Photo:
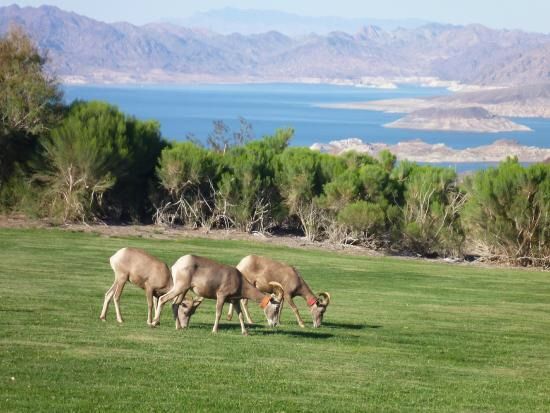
x=231 y=20
x=82 y=49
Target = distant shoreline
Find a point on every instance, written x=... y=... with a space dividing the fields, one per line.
x=529 y=101
x=419 y=151
x=367 y=82
x=409 y=105
x=468 y=119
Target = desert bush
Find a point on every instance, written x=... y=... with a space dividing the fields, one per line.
x=222 y=138
x=94 y=149
x=342 y=190
x=30 y=100
x=352 y=198
x=365 y=221
x=18 y=195
x=508 y=211
x=247 y=190
x=230 y=188
x=189 y=174
x=300 y=181
x=431 y=222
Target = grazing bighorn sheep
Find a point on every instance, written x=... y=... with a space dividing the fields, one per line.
x=261 y=271
x=223 y=283
x=183 y=310
x=148 y=273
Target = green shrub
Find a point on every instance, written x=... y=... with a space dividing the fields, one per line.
x=189 y=175
x=18 y=195
x=509 y=211
x=364 y=220
x=300 y=179
x=30 y=100
x=230 y=188
x=247 y=190
x=95 y=149
x=431 y=212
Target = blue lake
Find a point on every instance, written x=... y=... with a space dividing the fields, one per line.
x=191 y=109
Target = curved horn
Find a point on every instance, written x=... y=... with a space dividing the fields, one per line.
x=324 y=298
x=277 y=290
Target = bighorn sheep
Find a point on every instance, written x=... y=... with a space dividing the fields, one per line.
x=261 y=271
x=223 y=283
x=148 y=273
x=183 y=310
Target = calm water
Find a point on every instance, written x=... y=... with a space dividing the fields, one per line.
x=183 y=110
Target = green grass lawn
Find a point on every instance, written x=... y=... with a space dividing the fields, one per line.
x=399 y=335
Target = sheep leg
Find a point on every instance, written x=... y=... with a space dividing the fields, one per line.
x=244 y=307
x=178 y=300
x=219 y=307
x=295 y=310
x=149 y=295
x=173 y=293
x=237 y=305
x=279 y=313
x=108 y=297
x=230 y=312
x=118 y=291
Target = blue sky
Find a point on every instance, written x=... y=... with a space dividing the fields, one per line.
x=531 y=15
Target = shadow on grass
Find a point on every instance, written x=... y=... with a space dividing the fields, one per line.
x=226 y=326
x=265 y=331
x=301 y=334
x=350 y=326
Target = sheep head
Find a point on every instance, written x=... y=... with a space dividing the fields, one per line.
x=318 y=307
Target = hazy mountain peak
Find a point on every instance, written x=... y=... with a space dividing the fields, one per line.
x=371 y=32
x=250 y=21
x=84 y=49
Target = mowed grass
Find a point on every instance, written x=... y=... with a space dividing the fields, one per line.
x=399 y=335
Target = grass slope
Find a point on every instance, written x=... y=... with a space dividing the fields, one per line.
x=399 y=336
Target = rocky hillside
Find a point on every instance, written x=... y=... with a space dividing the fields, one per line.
x=467 y=119
x=83 y=49
x=420 y=151
x=520 y=101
